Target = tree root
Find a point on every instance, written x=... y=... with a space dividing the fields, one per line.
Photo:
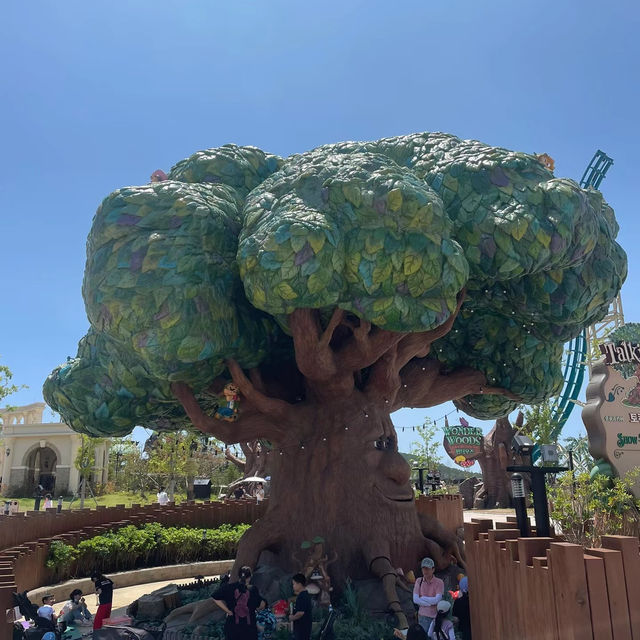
x=382 y=568
x=443 y=544
x=264 y=533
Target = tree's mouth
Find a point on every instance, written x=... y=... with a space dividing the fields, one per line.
x=406 y=498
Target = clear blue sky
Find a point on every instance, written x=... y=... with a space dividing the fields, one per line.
x=96 y=96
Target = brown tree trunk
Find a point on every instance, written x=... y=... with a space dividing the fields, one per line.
x=342 y=478
x=496 y=456
x=335 y=467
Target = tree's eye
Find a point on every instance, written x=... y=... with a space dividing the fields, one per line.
x=385 y=444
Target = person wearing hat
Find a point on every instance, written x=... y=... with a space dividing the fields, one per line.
x=442 y=628
x=427 y=592
x=461 y=609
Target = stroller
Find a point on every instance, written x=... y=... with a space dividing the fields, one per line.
x=30 y=612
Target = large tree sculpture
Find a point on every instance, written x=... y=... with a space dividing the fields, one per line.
x=335 y=287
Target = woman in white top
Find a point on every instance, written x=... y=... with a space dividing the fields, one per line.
x=442 y=628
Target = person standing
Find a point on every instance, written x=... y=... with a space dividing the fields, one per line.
x=301 y=616
x=163 y=498
x=461 y=610
x=48 y=501
x=259 y=493
x=239 y=600
x=427 y=592
x=104 y=589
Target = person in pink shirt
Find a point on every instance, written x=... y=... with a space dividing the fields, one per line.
x=427 y=592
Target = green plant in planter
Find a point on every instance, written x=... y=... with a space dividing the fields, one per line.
x=61 y=555
x=148 y=545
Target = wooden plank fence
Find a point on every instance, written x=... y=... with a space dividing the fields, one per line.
x=25 y=538
x=546 y=589
x=28 y=536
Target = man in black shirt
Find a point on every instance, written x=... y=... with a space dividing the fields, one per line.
x=301 y=616
x=104 y=589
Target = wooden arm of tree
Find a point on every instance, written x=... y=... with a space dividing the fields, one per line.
x=444 y=387
x=241 y=464
x=416 y=379
x=271 y=407
x=251 y=425
x=314 y=356
x=384 y=378
x=367 y=345
x=419 y=344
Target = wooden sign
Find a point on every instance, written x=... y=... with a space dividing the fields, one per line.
x=612 y=412
x=462 y=442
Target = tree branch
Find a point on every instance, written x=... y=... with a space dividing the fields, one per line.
x=416 y=380
x=429 y=388
x=272 y=407
x=419 y=344
x=250 y=425
x=241 y=464
x=314 y=356
x=368 y=344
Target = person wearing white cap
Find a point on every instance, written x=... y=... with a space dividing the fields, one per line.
x=442 y=628
x=427 y=592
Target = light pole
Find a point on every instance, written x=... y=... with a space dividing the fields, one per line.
x=520 y=505
x=524 y=446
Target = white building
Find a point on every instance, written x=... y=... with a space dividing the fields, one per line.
x=33 y=452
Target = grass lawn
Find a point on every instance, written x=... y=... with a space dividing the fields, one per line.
x=108 y=500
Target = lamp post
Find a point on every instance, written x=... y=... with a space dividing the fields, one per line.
x=420 y=471
x=524 y=447
x=517 y=488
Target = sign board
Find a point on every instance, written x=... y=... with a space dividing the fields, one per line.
x=612 y=412
x=463 y=442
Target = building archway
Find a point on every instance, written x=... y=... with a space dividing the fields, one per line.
x=41 y=463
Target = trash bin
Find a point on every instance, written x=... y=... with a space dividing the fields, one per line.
x=202 y=489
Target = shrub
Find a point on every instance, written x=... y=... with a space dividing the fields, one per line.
x=146 y=546
x=587 y=508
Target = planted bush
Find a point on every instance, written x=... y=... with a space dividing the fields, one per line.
x=150 y=545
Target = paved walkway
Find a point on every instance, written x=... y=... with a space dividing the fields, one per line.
x=498 y=515
x=123 y=597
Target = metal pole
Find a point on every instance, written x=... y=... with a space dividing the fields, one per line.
x=540 y=506
x=421 y=480
x=520 y=505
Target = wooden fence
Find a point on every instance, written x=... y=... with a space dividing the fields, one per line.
x=447 y=509
x=26 y=538
x=545 y=589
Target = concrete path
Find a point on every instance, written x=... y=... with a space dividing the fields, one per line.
x=124 y=596
x=497 y=515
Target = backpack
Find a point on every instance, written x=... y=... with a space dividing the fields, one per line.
x=241 y=608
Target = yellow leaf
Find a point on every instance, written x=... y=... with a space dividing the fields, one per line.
x=394 y=199
x=258 y=296
x=316 y=240
x=285 y=291
x=412 y=263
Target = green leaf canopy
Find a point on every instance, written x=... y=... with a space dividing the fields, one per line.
x=186 y=273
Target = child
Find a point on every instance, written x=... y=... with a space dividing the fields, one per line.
x=442 y=628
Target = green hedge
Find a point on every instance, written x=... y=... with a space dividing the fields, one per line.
x=150 y=545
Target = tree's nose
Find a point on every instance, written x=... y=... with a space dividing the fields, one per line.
x=395 y=467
